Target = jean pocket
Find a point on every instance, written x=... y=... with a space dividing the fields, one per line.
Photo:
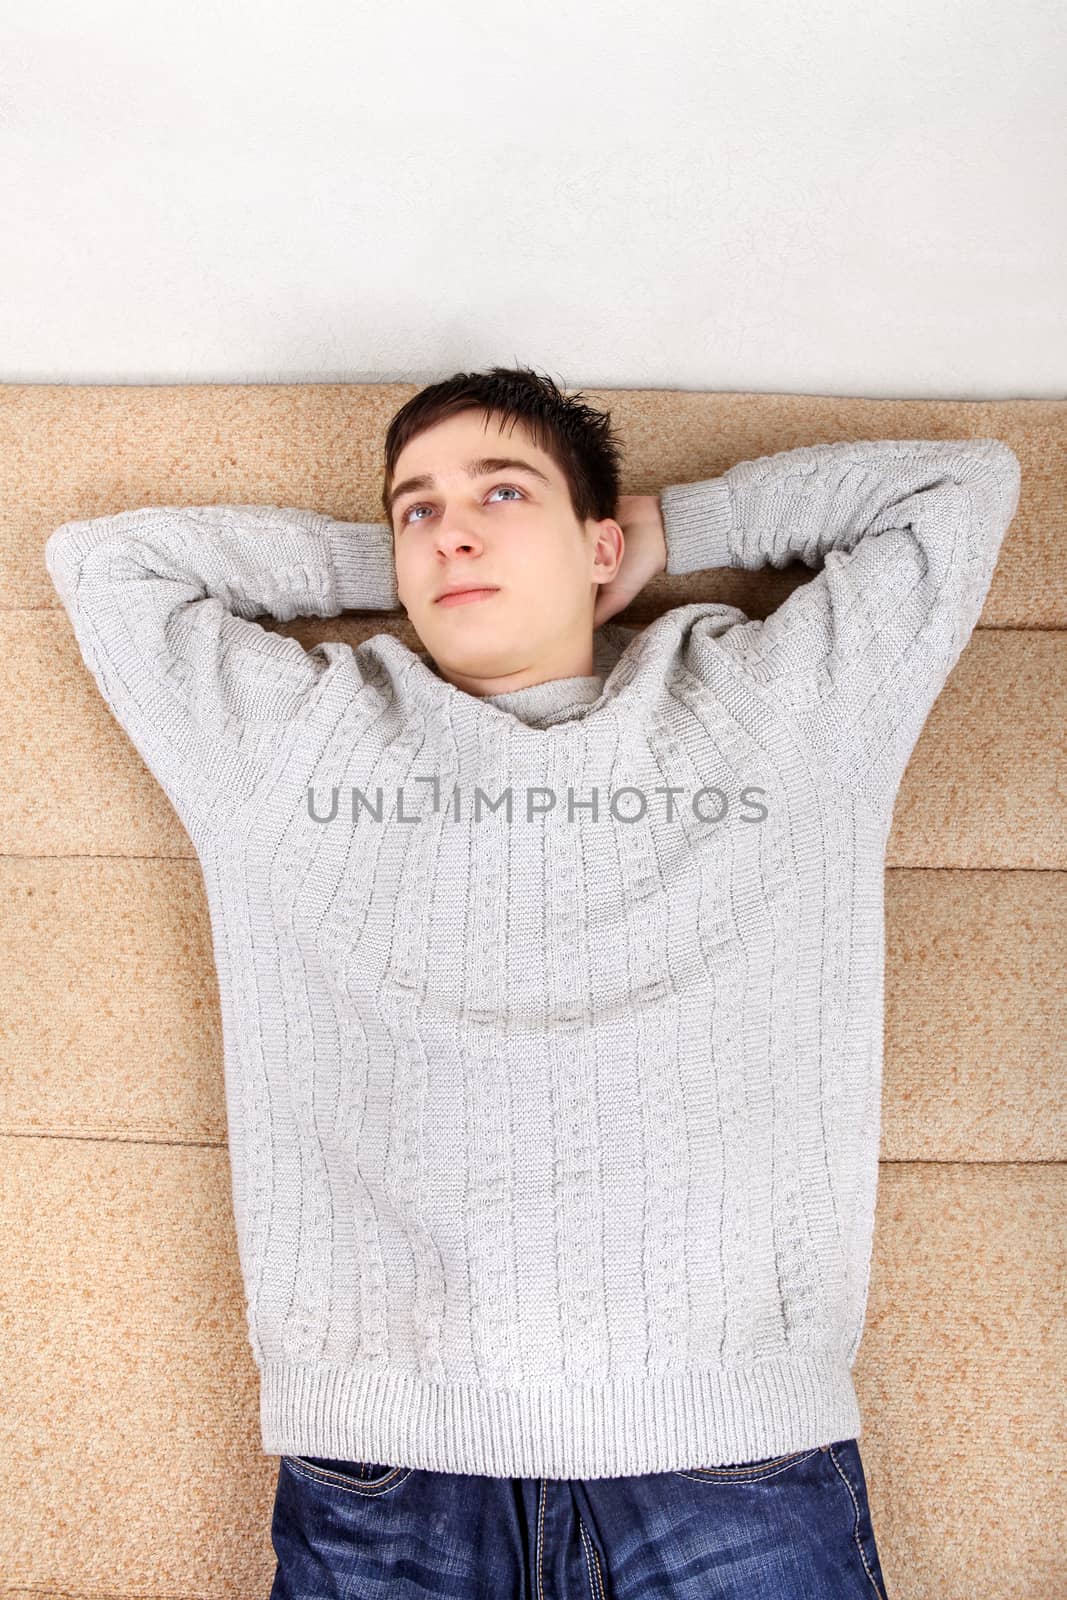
x=763 y=1467
x=353 y=1477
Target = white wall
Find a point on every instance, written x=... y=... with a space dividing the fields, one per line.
x=825 y=198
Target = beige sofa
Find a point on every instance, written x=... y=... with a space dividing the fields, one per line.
x=131 y=1461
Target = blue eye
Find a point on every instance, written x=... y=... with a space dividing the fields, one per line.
x=420 y=505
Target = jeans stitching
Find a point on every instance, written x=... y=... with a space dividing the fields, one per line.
x=541 y=1539
x=599 y=1574
x=746 y=1474
x=856 y=1525
x=588 y=1546
x=346 y=1485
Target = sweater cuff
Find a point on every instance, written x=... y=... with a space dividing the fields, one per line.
x=362 y=560
x=697 y=522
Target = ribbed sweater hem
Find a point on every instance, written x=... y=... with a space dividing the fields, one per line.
x=625 y=1426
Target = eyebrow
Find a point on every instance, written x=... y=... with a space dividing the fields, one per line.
x=480 y=468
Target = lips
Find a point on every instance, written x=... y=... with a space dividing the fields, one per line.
x=466 y=596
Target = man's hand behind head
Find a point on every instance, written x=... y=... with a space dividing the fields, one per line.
x=645 y=553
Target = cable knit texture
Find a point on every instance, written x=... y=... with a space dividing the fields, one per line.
x=552 y=1020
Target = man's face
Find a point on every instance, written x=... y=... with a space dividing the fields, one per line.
x=506 y=528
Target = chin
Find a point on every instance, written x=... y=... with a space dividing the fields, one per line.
x=483 y=658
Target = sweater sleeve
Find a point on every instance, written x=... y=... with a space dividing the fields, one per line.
x=162 y=601
x=908 y=531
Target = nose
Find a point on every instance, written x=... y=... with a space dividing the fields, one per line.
x=453 y=538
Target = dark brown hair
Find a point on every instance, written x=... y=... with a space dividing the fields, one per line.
x=578 y=438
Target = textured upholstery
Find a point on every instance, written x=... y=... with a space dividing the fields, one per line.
x=131 y=1463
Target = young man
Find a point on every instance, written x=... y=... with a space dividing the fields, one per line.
x=551 y=979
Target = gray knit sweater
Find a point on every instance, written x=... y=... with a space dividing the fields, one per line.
x=553 y=1120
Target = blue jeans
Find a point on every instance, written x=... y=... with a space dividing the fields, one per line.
x=789 y=1527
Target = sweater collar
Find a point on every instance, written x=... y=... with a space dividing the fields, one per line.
x=558 y=699
x=551 y=699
